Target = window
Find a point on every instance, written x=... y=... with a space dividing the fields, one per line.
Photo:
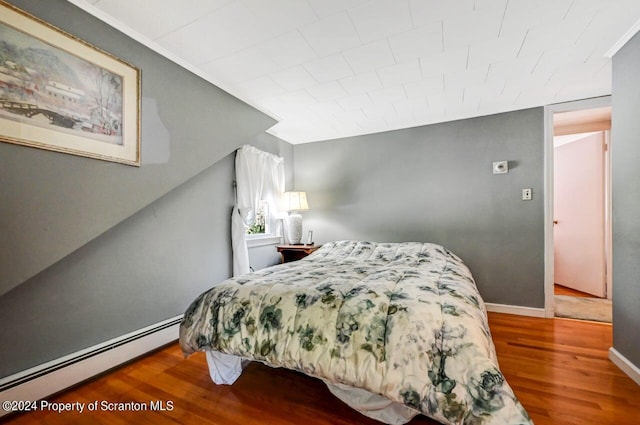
x=263 y=231
x=261 y=225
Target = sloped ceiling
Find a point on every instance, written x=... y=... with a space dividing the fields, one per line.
x=335 y=68
x=53 y=203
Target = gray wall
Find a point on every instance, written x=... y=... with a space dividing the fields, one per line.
x=625 y=157
x=435 y=184
x=92 y=250
x=51 y=203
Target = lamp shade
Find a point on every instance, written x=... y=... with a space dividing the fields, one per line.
x=294 y=201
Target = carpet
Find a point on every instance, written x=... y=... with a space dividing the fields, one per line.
x=596 y=309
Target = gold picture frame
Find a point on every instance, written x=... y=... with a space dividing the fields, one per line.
x=60 y=93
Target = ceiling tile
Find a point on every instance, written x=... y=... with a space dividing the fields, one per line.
x=515 y=71
x=328 y=107
x=449 y=99
x=473 y=27
x=436 y=105
x=465 y=78
x=355 y=102
x=369 y=57
x=504 y=48
x=361 y=83
x=164 y=18
x=548 y=36
x=379 y=111
x=293 y=78
x=524 y=14
x=282 y=15
x=570 y=74
x=378 y=19
x=328 y=68
x=280 y=108
x=242 y=66
x=494 y=106
x=448 y=61
x=490 y=5
x=604 y=74
x=288 y=49
x=329 y=7
x=496 y=83
x=388 y=95
x=552 y=59
x=327 y=91
x=527 y=99
x=399 y=122
x=401 y=73
x=332 y=34
x=591 y=7
x=221 y=33
x=299 y=97
x=416 y=43
x=470 y=101
x=482 y=91
x=604 y=29
x=425 y=87
x=260 y=87
x=429 y=11
x=334 y=68
x=376 y=125
x=354 y=114
x=411 y=107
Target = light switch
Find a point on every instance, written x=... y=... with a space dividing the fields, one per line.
x=526 y=194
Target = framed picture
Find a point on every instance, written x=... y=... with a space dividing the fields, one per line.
x=60 y=93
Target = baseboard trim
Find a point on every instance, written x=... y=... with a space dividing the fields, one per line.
x=54 y=376
x=516 y=309
x=625 y=365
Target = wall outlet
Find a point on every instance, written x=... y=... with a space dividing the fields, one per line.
x=500 y=167
x=526 y=194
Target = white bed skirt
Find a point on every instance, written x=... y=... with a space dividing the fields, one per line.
x=225 y=369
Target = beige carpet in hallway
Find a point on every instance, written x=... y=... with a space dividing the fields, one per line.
x=596 y=309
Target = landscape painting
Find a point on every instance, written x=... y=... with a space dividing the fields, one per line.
x=60 y=93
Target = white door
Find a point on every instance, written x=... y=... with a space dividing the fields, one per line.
x=579 y=220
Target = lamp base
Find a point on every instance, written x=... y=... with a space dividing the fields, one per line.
x=294 y=228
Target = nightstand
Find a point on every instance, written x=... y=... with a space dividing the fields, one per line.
x=295 y=252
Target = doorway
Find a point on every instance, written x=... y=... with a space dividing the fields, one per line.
x=581 y=206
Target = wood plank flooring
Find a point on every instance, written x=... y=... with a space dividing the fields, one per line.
x=558 y=368
x=563 y=290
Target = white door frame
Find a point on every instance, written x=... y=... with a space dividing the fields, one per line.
x=597 y=102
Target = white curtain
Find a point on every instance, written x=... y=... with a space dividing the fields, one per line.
x=259 y=176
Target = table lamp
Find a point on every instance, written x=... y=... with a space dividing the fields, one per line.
x=294 y=202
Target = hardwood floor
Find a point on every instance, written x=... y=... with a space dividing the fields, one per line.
x=563 y=290
x=558 y=368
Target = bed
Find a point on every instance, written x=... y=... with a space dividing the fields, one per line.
x=394 y=329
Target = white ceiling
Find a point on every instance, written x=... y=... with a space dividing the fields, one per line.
x=327 y=69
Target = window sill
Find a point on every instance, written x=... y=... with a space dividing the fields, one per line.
x=255 y=241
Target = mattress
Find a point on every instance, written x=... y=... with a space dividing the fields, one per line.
x=403 y=321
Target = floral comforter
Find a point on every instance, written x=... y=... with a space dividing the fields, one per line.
x=403 y=320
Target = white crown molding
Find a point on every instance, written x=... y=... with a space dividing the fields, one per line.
x=623 y=40
x=144 y=40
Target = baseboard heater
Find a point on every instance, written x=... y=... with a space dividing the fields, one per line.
x=52 y=377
